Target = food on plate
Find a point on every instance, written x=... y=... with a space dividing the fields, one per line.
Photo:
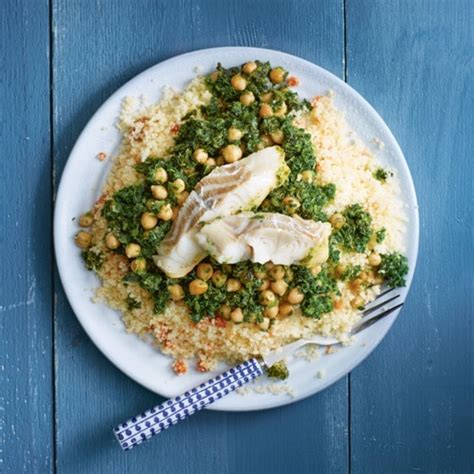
x=224 y=191
x=266 y=237
x=238 y=217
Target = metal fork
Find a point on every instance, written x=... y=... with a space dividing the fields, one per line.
x=151 y=422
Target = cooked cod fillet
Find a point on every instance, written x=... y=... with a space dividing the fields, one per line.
x=266 y=237
x=223 y=192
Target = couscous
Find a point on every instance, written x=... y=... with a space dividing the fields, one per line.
x=220 y=311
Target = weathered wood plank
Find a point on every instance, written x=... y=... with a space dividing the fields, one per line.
x=98 y=46
x=26 y=386
x=412 y=400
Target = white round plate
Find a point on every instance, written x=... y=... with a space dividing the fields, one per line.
x=81 y=184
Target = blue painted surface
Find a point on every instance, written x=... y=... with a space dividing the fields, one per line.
x=408 y=407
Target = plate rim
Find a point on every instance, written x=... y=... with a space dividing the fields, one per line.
x=414 y=229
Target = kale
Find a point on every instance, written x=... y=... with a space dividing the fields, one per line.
x=279 y=370
x=132 y=303
x=311 y=197
x=207 y=304
x=381 y=175
x=155 y=282
x=334 y=252
x=394 y=268
x=351 y=272
x=318 y=291
x=247 y=299
x=123 y=212
x=299 y=151
x=356 y=232
x=93 y=259
x=380 y=235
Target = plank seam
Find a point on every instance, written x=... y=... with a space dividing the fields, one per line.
x=349 y=404
x=53 y=198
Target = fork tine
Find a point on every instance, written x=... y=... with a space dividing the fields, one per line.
x=373 y=308
x=373 y=319
x=379 y=297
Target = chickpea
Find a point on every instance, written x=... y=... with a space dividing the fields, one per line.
x=269 y=265
x=160 y=176
x=138 y=265
x=277 y=75
x=198 y=287
x=357 y=302
x=234 y=134
x=178 y=186
x=166 y=212
x=279 y=287
x=266 y=204
x=204 y=271
x=219 y=278
x=182 y=197
x=176 y=292
x=267 y=297
x=267 y=97
x=231 y=153
x=83 y=239
x=211 y=162
x=247 y=99
x=260 y=273
x=111 y=241
x=264 y=286
x=372 y=242
x=220 y=161
x=291 y=203
x=266 y=140
x=277 y=272
x=132 y=250
x=282 y=110
x=295 y=296
x=215 y=75
x=265 y=111
x=237 y=315
x=233 y=285
x=307 y=176
x=249 y=67
x=337 y=220
x=285 y=309
x=148 y=220
x=158 y=191
x=375 y=259
x=367 y=276
x=355 y=285
x=271 y=311
x=277 y=137
x=226 y=268
x=86 y=219
x=238 y=82
x=200 y=155
x=339 y=270
x=378 y=280
x=316 y=270
x=225 y=311
x=265 y=324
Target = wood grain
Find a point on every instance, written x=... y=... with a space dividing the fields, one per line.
x=412 y=403
x=26 y=385
x=97 y=47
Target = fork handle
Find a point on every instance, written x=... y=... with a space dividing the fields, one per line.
x=159 y=418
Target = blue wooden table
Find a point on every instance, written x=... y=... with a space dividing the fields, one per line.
x=408 y=407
